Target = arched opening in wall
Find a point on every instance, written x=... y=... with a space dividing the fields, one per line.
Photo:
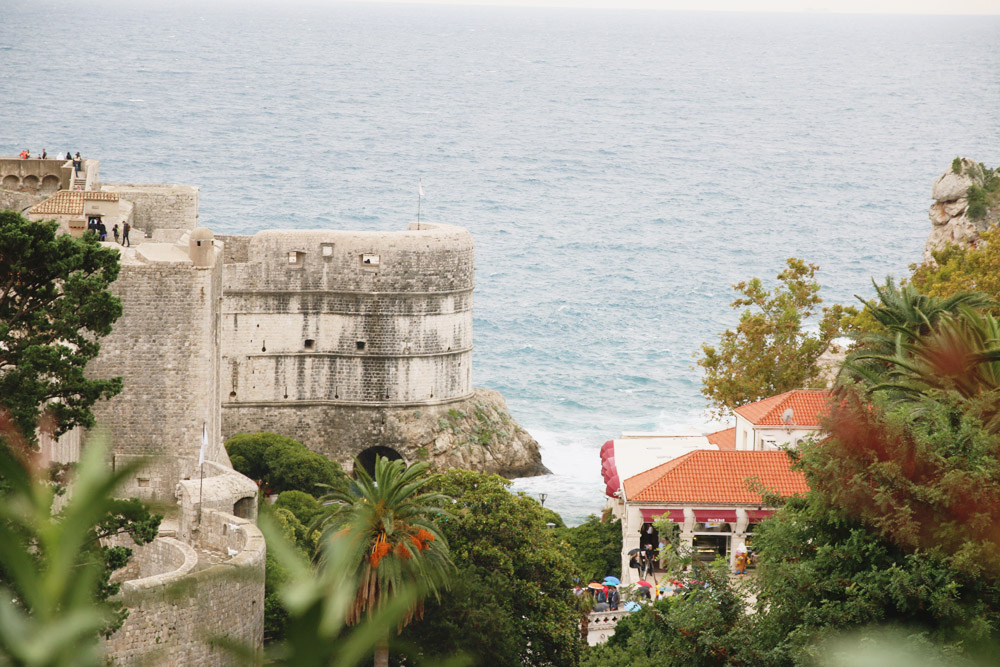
x=367 y=457
x=11 y=182
x=244 y=507
x=50 y=183
x=30 y=183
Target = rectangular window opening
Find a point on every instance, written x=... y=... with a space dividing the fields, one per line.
x=310 y=343
x=368 y=259
x=361 y=344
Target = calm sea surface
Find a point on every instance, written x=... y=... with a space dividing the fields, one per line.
x=619 y=170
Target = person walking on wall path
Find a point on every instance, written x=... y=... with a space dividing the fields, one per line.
x=114 y=230
x=77 y=163
x=125 y=230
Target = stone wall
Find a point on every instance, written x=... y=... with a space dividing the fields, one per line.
x=165 y=348
x=477 y=433
x=162 y=556
x=222 y=489
x=173 y=616
x=34 y=175
x=18 y=201
x=159 y=206
x=324 y=330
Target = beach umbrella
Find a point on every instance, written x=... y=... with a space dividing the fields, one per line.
x=612 y=581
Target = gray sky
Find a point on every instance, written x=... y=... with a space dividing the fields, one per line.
x=837 y=6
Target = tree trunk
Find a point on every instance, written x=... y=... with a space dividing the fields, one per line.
x=382 y=652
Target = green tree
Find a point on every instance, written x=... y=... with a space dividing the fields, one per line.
x=392 y=517
x=512 y=599
x=962 y=269
x=54 y=306
x=595 y=546
x=283 y=464
x=770 y=352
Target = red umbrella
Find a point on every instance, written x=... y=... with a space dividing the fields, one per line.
x=645 y=583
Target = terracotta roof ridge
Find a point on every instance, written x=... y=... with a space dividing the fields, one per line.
x=650 y=476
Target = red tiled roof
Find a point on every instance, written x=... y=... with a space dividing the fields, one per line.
x=70 y=202
x=807 y=405
x=724 y=439
x=708 y=476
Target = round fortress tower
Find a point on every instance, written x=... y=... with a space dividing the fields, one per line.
x=317 y=325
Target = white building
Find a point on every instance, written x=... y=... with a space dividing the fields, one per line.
x=781 y=420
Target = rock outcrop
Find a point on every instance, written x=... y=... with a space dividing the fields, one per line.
x=950 y=222
x=475 y=434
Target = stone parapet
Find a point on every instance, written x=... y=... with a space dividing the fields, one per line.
x=174 y=616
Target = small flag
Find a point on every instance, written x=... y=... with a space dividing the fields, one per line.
x=420 y=188
x=204 y=443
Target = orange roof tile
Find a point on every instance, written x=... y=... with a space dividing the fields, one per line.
x=807 y=406
x=70 y=202
x=707 y=476
x=724 y=439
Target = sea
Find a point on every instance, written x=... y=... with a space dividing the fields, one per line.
x=619 y=170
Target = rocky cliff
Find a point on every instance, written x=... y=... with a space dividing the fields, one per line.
x=475 y=434
x=953 y=220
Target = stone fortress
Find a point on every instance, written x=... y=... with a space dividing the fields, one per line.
x=355 y=343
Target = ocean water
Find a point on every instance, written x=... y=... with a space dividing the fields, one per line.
x=619 y=170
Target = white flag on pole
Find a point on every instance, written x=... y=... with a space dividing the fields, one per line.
x=204 y=443
x=420 y=188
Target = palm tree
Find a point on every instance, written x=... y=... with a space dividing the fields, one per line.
x=960 y=354
x=392 y=517
x=904 y=315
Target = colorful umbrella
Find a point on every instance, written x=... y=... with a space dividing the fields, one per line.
x=644 y=583
x=612 y=581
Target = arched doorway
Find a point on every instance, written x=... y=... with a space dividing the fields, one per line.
x=367 y=457
x=244 y=507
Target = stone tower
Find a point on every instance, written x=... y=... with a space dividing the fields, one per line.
x=325 y=332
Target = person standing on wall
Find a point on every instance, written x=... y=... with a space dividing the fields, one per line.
x=125 y=230
x=77 y=163
x=114 y=230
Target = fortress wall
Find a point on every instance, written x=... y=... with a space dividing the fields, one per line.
x=18 y=201
x=173 y=616
x=237 y=248
x=34 y=175
x=165 y=348
x=221 y=490
x=162 y=556
x=159 y=206
x=335 y=319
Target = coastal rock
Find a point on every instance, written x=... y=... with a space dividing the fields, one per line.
x=955 y=208
x=950 y=223
x=478 y=433
x=939 y=214
x=950 y=186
